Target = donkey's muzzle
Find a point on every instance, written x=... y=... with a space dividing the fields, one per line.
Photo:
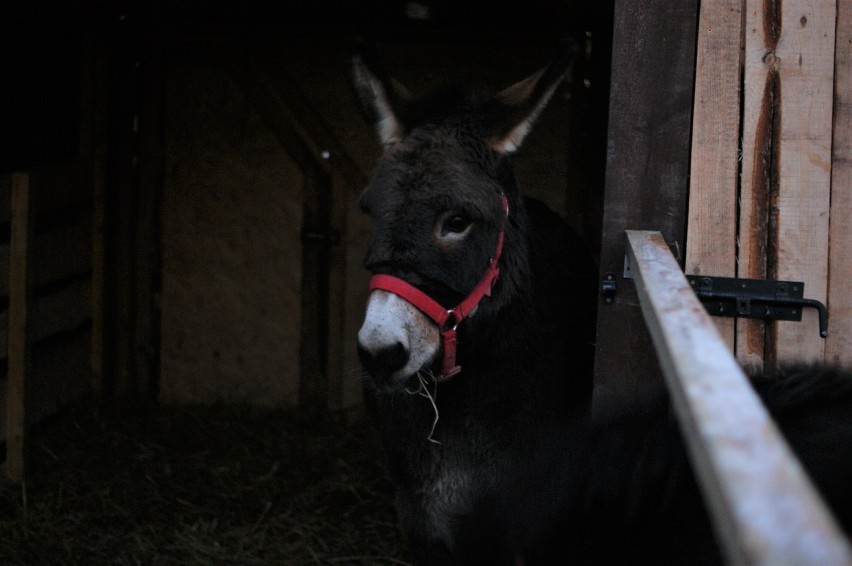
x=381 y=362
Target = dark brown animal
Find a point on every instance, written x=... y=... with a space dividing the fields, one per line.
x=498 y=463
x=439 y=199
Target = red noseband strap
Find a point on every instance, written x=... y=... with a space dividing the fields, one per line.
x=447 y=320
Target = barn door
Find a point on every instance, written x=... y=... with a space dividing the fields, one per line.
x=761 y=199
x=767 y=180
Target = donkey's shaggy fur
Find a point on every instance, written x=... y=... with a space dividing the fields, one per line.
x=526 y=354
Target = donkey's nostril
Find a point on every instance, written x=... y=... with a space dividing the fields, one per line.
x=384 y=360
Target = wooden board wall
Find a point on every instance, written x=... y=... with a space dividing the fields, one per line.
x=790 y=191
x=786 y=167
x=714 y=169
x=838 y=345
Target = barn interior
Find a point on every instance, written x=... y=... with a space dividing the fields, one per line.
x=195 y=280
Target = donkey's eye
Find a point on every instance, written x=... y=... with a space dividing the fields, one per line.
x=456 y=223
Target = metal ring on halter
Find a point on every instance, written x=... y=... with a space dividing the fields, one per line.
x=451 y=320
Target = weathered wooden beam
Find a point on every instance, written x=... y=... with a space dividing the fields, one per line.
x=763 y=506
x=19 y=352
x=647 y=173
x=838 y=345
x=711 y=248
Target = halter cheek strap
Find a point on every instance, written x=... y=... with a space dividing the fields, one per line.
x=447 y=320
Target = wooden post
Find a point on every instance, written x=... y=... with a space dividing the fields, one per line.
x=653 y=69
x=763 y=506
x=711 y=248
x=19 y=354
x=838 y=346
x=786 y=166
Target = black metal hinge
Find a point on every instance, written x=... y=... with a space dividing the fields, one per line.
x=756 y=298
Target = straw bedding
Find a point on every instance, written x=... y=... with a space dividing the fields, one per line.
x=191 y=485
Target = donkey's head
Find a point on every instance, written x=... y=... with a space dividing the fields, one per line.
x=438 y=200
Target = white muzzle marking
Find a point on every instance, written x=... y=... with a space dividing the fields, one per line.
x=392 y=320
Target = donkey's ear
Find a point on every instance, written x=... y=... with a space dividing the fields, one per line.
x=522 y=102
x=382 y=100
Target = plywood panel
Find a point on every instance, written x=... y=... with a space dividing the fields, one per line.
x=838 y=346
x=714 y=169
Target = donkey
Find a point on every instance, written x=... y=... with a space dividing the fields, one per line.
x=477 y=345
x=479 y=327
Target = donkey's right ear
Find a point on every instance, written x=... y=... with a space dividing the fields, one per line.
x=382 y=100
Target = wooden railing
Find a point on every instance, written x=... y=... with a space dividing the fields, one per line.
x=763 y=506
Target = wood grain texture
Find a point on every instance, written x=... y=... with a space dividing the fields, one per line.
x=838 y=345
x=763 y=506
x=789 y=73
x=18 y=341
x=653 y=64
x=806 y=54
x=714 y=169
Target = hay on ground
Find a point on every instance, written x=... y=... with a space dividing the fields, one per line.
x=193 y=485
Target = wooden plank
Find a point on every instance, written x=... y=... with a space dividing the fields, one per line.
x=838 y=345
x=653 y=66
x=806 y=54
x=711 y=247
x=786 y=166
x=759 y=121
x=763 y=506
x=19 y=359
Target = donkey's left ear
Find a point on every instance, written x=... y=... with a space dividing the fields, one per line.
x=522 y=102
x=383 y=100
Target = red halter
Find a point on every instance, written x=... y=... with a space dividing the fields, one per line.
x=447 y=320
